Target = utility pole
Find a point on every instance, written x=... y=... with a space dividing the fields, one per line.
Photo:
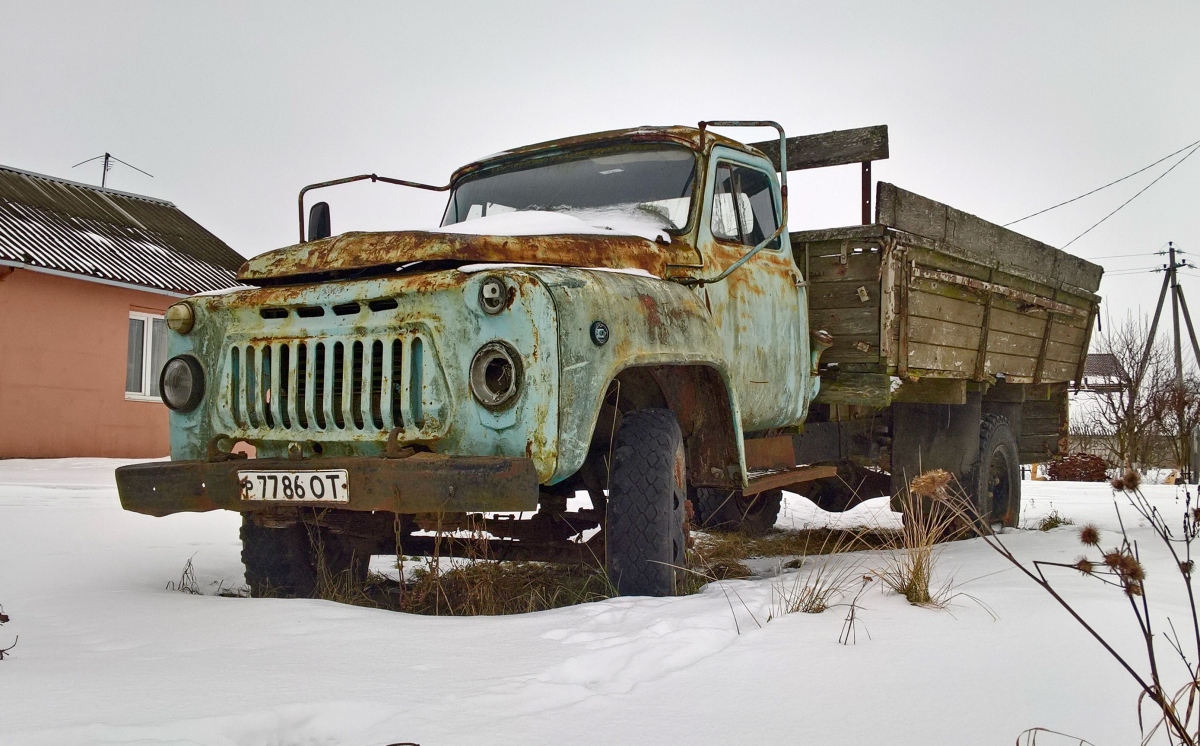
x=1178 y=304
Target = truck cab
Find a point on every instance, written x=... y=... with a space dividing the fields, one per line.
x=611 y=313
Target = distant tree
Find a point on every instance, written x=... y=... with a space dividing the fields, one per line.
x=1133 y=421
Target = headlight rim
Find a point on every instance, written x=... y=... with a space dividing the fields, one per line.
x=500 y=303
x=182 y=325
x=476 y=375
x=195 y=396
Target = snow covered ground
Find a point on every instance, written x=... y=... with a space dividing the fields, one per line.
x=108 y=656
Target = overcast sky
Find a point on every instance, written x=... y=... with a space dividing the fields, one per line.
x=999 y=109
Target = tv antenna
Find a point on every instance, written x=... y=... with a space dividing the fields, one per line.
x=108 y=159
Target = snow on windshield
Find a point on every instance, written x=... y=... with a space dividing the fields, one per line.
x=634 y=191
x=611 y=222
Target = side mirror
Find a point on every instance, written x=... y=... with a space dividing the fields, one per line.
x=318 y=221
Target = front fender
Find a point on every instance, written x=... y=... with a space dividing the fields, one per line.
x=651 y=322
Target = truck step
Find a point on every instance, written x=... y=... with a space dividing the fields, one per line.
x=773 y=479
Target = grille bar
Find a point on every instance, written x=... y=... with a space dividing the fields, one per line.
x=363 y=385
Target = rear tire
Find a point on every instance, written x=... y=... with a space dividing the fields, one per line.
x=996 y=479
x=729 y=510
x=283 y=563
x=644 y=527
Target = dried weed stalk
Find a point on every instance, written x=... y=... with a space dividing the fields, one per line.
x=1118 y=564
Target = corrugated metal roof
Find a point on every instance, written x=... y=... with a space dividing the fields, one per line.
x=103 y=233
x=1102 y=364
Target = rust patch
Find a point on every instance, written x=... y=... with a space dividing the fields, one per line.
x=358 y=252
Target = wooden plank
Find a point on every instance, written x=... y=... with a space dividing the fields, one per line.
x=1068 y=335
x=1087 y=341
x=1013 y=344
x=1025 y=324
x=1063 y=353
x=860 y=268
x=770 y=453
x=1058 y=372
x=1011 y=365
x=848 y=321
x=905 y=308
x=843 y=295
x=985 y=332
x=862 y=389
x=999 y=246
x=836 y=148
x=938 y=332
x=957 y=360
x=983 y=286
x=784 y=479
x=933 y=391
x=945 y=309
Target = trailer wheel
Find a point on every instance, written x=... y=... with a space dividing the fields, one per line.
x=997 y=475
x=729 y=510
x=644 y=526
x=283 y=562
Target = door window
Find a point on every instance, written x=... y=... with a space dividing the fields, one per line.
x=743 y=207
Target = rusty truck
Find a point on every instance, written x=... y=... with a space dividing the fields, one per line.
x=623 y=313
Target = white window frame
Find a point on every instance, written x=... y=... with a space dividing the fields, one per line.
x=147 y=320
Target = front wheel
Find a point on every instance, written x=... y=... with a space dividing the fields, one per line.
x=644 y=526
x=293 y=561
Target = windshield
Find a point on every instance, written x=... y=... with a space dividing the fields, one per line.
x=651 y=185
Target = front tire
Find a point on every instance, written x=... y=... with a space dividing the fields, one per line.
x=644 y=527
x=283 y=562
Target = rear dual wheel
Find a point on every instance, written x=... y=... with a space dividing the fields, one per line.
x=730 y=510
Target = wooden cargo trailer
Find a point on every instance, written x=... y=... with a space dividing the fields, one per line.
x=941 y=323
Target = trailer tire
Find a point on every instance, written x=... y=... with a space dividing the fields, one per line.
x=644 y=526
x=996 y=478
x=283 y=563
x=729 y=510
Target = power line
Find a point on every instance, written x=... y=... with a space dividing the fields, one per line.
x=1106 y=186
x=1126 y=202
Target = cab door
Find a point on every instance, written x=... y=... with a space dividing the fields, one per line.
x=761 y=309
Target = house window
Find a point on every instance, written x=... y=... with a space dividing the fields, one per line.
x=147 y=354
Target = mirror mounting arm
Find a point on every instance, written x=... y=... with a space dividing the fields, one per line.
x=783 y=198
x=363 y=177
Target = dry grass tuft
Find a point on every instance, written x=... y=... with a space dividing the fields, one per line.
x=1053 y=520
x=484 y=587
x=821 y=581
x=909 y=569
x=734 y=546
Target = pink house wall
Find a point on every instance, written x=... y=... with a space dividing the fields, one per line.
x=62 y=370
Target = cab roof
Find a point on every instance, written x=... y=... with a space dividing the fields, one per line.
x=688 y=137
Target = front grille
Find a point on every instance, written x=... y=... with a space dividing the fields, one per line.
x=358 y=385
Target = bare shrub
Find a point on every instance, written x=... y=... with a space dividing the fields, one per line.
x=1079 y=467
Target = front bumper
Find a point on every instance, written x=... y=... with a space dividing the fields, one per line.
x=422 y=483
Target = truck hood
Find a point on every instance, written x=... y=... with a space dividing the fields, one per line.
x=356 y=254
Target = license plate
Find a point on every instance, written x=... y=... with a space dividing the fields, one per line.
x=326 y=485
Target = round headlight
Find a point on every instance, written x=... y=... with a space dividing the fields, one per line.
x=493 y=295
x=181 y=383
x=181 y=318
x=495 y=374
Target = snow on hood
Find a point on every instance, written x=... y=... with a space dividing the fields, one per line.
x=606 y=222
